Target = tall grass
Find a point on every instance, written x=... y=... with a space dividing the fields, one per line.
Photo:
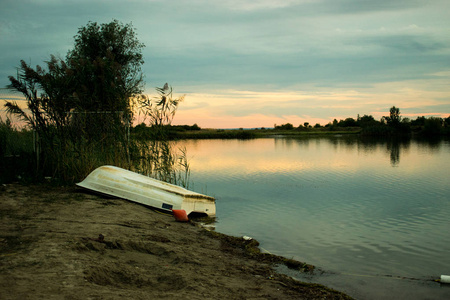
x=74 y=160
x=89 y=140
x=70 y=157
x=160 y=160
x=16 y=153
x=69 y=153
x=154 y=155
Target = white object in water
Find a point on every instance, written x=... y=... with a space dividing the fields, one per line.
x=121 y=183
x=445 y=279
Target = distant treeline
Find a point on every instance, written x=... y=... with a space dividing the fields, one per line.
x=142 y=131
x=393 y=124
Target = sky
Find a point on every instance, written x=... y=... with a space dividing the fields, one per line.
x=243 y=63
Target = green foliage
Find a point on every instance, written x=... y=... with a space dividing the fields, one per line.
x=142 y=131
x=60 y=129
x=216 y=134
x=348 y=122
x=366 y=120
x=16 y=153
x=158 y=159
x=419 y=121
x=159 y=111
x=196 y=127
x=80 y=109
x=106 y=64
x=377 y=130
x=287 y=126
x=394 y=123
x=73 y=160
x=152 y=152
x=433 y=126
x=447 y=122
x=47 y=94
x=394 y=117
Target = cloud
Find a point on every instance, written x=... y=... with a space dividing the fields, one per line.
x=365 y=6
x=263 y=109
x=406 y=44
x=321 y=59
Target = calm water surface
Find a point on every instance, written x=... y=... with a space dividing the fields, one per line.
x=368 y=213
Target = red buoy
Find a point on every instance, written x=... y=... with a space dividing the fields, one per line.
x=180 y=215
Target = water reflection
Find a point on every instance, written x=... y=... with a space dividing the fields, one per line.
x=294 y=154
x=335 y=202
x=394 y=146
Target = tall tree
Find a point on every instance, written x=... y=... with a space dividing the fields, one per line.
x=99 y=77
x=106 y=62
x=394 y=116
x=101 y=73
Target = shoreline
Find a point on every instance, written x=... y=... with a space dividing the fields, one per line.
x=62 y=242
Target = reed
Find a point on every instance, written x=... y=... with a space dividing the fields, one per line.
x=74 y=160
x=16 y=152
x=161 y=160
x=68 y=152
x=153 y=153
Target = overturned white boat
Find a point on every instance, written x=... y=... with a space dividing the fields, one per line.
x=132 y=186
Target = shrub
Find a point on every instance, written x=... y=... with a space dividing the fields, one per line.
x=432 y=126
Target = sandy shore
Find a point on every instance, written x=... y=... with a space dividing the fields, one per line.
x=51 y=248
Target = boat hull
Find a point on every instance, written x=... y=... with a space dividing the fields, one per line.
x=121 y=183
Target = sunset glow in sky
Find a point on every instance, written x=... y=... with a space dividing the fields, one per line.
x=262 y=62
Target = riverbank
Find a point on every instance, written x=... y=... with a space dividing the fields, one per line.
x=64 y=243
x=176 y=133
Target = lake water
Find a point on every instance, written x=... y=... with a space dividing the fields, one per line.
x=374 y=216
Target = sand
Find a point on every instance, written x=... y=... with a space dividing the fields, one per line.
x=66 y=243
